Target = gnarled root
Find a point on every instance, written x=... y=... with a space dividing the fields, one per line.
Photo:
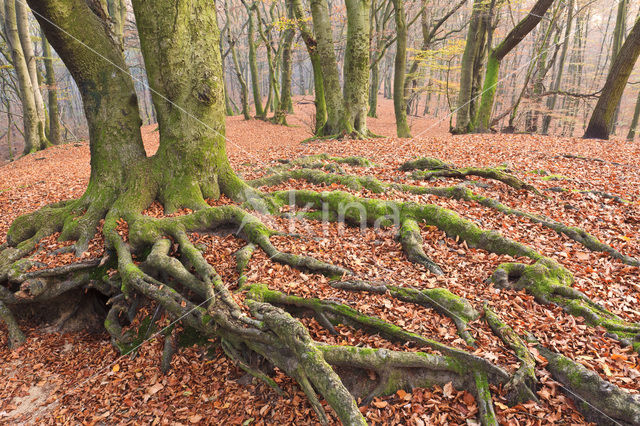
x=549 y=282
x=428 y=168
x=441 y=300
x=523 y=383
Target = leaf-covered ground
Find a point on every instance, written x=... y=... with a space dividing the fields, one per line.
x=79 y=377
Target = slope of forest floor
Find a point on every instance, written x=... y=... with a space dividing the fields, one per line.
x=79 y=377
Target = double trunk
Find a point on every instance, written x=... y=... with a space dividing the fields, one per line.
x=23 y=60
x=346 y=109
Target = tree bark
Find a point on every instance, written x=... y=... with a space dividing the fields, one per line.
x=55 y=136
x=312 y=48
x=399 y=101
x=328 y=65
x=30 y=119
x=253 y=64
x=107 y=92
x=515 y=36
x=286 y=106
x=633 y=127
x=30 y=58
x=603 y=113
x=473 y=51
x=555 y=86
x=184 y=72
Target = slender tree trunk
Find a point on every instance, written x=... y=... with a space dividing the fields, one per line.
x=619 y=34
x=30 y=119
x=634 y=121
x=52 y=91
x=619 y=73
x=555 y=86
x=399 y=101
x=9 y=130
x=30 y=58
x=253 y=64
x=286 y=105
x=312 y=48
x=515 y=36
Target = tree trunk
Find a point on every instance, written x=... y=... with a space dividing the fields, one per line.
x=619 y=73
x=634 y=121
x=286 y=105
x=30 y=118
x=399 y=101
x=336 y=121
x=515 y=36
x=184 y=72
x=555 y=86
x=619 y=33
x=30 y=58
x=356 y=66
x=253 y=64
x=52 y=90
x=476 y=37
x=312 y=48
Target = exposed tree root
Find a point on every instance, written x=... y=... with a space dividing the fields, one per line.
x=428 y=168
x=441 y=300
x=599 y=400
x=523 y=383
x=457 y=192
x=16 y=336
x=189 y=290
x=549 y=282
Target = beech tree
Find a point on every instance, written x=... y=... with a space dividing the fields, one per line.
x=603 y=114
x=180 y=46
x=23 y=60
x=515 y=36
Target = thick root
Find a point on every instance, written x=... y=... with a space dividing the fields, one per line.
x=599 y=400
x=549 y=282
x=441 y=300
x=430 y=168
x=411 y=240
x=522 y=385
x=16 y=336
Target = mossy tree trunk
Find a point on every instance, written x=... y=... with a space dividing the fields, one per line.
x=604 y=111
x=399 y=100
x=356 y=65
x=472 y=55
x=515 y=36
x=328 y=64
x=184 y=71
x=286 y=106
x=312 y=49
x=54 y=134
x=253 y=64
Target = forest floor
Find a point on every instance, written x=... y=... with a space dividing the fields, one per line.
x=79 y=377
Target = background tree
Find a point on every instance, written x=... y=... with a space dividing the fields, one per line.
x=604 y=111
